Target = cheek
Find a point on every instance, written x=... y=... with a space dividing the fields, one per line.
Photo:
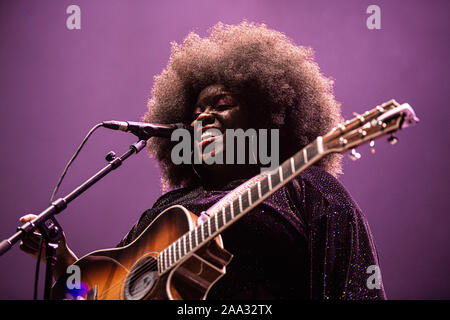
x=236 y=118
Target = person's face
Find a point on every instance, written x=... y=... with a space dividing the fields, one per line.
x=218 y=109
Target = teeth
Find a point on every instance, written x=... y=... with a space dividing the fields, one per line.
x=207 y=135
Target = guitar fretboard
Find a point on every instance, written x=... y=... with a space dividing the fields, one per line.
x=237 y=203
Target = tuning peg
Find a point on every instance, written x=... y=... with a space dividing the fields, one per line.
x=354 y=155
x=360 y=117
x=372 y=146
x=392 y=139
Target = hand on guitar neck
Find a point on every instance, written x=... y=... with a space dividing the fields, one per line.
x=30 y=244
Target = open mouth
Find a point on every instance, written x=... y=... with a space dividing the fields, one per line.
x=208 y=137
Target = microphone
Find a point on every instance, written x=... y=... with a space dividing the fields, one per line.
x=145 y=130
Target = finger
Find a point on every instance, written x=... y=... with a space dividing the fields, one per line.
x=35 y=245
x=32 y=238
x=27 y=217
x=30 y=246
x=30 y=250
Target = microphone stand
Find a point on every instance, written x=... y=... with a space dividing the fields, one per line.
x=47 y=224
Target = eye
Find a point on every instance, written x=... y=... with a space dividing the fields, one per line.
x=197 y=112
x=222 y=107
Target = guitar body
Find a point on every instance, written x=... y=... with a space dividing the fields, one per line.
x=131 y=272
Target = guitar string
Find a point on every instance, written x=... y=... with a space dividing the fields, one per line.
x=139 y=273
x=146 y=266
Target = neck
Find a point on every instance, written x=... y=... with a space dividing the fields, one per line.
x=218 y=175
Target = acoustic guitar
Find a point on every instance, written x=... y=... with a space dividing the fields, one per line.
x=180 y=256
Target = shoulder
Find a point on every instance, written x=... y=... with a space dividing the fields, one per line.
x=174 y=195
x=317 y=194
x=318 y=180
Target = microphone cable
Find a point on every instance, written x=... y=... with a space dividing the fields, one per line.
x=55 y=190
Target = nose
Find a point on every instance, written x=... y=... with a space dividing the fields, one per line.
x=205 y=117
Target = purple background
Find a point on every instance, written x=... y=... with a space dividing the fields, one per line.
x=55 y=84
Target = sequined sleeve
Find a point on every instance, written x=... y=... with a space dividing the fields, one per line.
x=343 y=261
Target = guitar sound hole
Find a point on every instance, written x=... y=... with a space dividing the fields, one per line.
x=141 y=279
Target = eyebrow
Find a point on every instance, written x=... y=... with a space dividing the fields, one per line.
x=212 y=99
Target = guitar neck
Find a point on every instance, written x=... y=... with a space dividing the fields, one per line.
x=237 y=203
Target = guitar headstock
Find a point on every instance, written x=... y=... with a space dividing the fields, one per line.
x=384 y=119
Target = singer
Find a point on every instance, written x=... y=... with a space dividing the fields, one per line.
x=308 y=240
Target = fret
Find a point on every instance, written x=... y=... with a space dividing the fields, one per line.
x=168 y=252
x=224 y=216
x=292 y=165
x=240 y=203
x=198 y=233
x=275 y=179
x=213 y=226
x=164 y=259
x=176 y=249
x=191 y=241
x=259 y=189
x=180 y=247
x=265 y=186
x=280 y=173
x=167 y=257
x=244 y=201
x=165 y=262
x=184 y=245
x=209 y=226
x=228 y=215
x=254 y=193
x=195 y=237
x=161 y=261
x=231 y=209
x=287 y=169
x=319 y=145
x=204 y=227
x=236 y=209
x=172 y=254
x=311 y=151
x=305 y=155
x=221 y=218
x=269 y=180
x=249 y=196
x=299 y=160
